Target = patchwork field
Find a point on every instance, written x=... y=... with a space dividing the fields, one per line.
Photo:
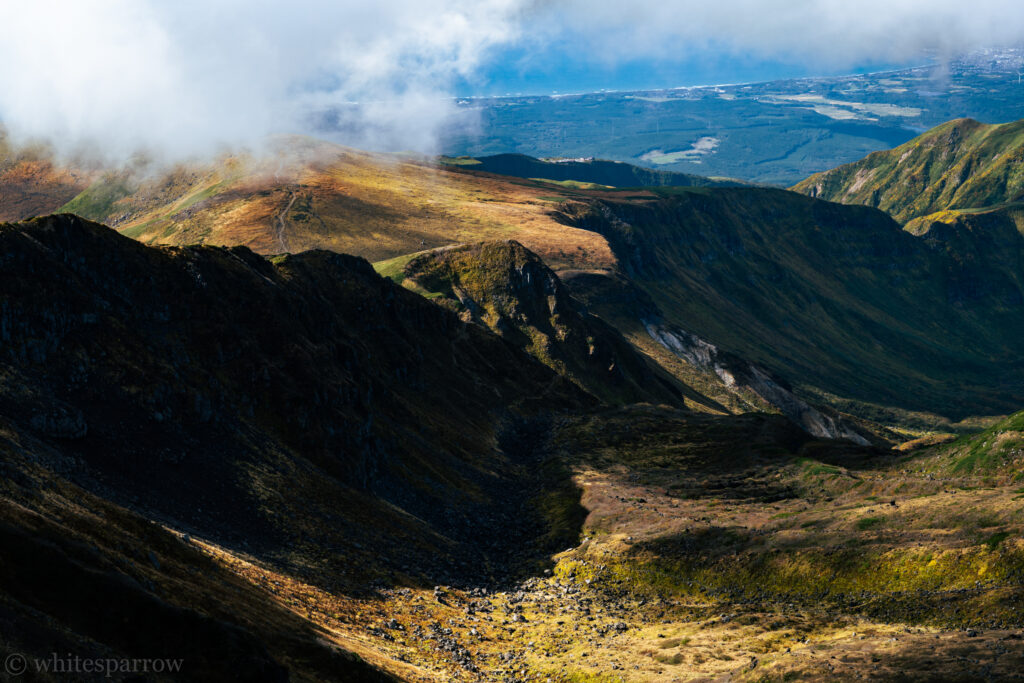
x=777 y=132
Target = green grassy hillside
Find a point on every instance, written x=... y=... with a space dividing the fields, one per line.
x=961 y=164
x=838 y=300
x=995 y=454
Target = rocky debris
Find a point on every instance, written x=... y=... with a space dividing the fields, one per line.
x=447 y=643
x=373 y=630
x=737 y=373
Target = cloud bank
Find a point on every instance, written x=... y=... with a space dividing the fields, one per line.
x=187 y=77
x=832 y=32
x=184 y=77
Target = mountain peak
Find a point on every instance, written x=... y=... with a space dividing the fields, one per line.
x=961 y=164
x=505 y=287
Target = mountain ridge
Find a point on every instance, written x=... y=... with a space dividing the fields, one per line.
x=742 y=266
x=322 y=196
x=594 y=171
x=961 y=164
x=328 y=476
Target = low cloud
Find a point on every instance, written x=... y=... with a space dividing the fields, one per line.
x=189 y=77
x=833 y=33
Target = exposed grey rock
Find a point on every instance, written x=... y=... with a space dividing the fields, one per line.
x=739 y=374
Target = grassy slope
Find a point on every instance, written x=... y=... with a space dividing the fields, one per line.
x=33 y=183
x=958 y=165
x=995 y=454
x=838 y=298
x=310 y=194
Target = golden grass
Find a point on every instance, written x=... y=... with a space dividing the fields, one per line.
x=35 y=186
x=321 y=196
x=564 y=627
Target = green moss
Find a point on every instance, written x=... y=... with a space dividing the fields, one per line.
x=394 y=269
x=993 y=541
x=913 y=585
x=865 y=523
x=97 y=201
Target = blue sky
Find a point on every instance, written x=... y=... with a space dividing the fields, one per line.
x=527 y=70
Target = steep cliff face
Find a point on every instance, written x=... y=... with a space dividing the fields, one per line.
x=959 y=165
x=508 y=289
x=835 y=299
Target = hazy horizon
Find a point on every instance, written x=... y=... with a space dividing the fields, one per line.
x=146 y=75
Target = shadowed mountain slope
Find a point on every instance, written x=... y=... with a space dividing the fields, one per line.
x=961 y=164
x=508 y=289
x=835 y=299
x=299 y=412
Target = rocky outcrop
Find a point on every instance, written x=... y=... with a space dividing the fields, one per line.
x=507 y=288
x=737 y=373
